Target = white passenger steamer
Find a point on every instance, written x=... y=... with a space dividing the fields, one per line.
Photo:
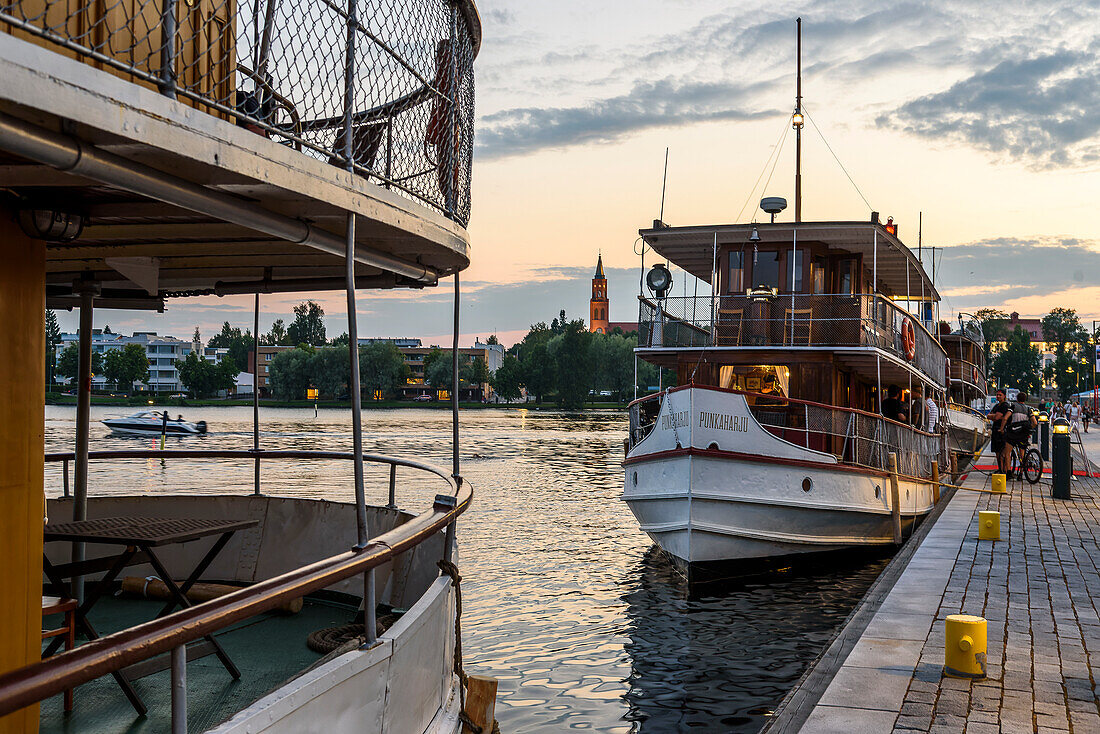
x=773 y=442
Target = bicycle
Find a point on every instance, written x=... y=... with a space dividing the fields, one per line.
x=1030 y=460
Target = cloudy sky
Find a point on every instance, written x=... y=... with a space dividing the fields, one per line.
x=979 y=115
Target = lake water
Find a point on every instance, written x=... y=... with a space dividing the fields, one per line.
x=564 y=601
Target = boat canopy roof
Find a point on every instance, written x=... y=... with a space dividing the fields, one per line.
x=691 y=248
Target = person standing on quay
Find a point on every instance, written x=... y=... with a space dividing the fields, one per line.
x=1073 y=413
x=997 y=418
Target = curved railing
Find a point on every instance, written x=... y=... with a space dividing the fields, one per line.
x=32 y=683
x=399 y=73
x=854 y=436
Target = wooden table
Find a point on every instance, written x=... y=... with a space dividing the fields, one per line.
x=139 y=536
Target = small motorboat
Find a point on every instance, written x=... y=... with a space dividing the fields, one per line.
x=153 y=423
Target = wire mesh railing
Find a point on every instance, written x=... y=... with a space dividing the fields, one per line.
x=799 y=320
x=854 y=437
x=381 y=87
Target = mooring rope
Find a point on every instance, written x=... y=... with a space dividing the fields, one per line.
x=450 y=569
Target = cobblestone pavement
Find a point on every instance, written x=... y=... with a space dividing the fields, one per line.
x=1038 y=587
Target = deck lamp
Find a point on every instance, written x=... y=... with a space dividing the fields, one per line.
x=797 y=120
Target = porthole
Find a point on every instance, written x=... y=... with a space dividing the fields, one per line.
x=635 y=479
x=878 y=491
x=713 y=446
x=807 y=484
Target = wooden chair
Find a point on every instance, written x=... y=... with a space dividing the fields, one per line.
x=59 y=605
x=729 y=327
x=797 y=326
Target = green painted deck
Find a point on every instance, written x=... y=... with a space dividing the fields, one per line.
x=268 y=649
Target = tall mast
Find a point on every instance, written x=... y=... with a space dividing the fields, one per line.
x=797 y=122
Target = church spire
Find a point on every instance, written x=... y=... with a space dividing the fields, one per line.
x=599 y=267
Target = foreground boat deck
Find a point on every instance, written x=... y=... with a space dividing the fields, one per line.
x=1036 y=588
x=268 y=649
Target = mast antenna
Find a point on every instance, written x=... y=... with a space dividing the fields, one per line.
x=797 y=121
x=920 y=232
x=664 y=183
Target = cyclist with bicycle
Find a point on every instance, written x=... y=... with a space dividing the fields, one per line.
x=1019 y=424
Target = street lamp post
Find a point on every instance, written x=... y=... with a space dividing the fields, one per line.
x=311 y=394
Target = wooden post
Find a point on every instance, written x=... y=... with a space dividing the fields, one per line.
x=935 y=483
x=895 y=497
x=954 y=467
x=481 y=699
x=22 y=433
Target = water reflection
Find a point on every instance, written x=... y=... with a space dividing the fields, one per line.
x=723 y=655
x=583 y=626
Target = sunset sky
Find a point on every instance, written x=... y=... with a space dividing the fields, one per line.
x=978 y=114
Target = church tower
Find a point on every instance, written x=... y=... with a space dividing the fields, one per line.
x=598 y=306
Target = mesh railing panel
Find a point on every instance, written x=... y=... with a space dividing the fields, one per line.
x=788 y=321
x=398 y=73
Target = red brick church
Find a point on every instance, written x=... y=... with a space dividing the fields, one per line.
x=600 y=305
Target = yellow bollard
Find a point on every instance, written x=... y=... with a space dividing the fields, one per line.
x=965 y=646
x=989 y=525
x=1000 y=486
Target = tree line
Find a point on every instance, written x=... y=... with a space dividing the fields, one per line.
x=566 y=362
x=1013 y=361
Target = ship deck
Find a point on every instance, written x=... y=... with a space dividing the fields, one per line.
x=268 y=649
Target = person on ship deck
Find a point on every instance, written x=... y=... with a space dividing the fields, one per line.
x=892 y=407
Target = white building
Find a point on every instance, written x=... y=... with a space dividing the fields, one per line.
x=161 y=351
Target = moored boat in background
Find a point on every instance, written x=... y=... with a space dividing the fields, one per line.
x=150 y=422
x=967 y=427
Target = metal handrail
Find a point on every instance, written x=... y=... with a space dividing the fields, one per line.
x=32 y=683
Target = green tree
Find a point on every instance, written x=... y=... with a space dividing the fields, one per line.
x=994 y=330
x=239 y=343
x=479 y=372
x=53 y=340
x=492 y=339
x=290 y=372
x=122 y=367
x=508 y=378
x=613 y=363
x=330 y=371
x=68 y=362
x=197 y=336
x=277 y=337
x=340 y=341
x=572 y=360
x=1017 y=365
x=203 y=379
x=536 y=367
x=308 y=326
x=439 y=370
x=1062 y=330
x=382 y=367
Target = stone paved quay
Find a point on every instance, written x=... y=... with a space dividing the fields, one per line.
x=1039 y=589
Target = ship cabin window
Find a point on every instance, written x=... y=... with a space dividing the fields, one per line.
x=770 y=381
x=765 y=270
x=796 y=256
x=847 y=276
x=737 y=273
x=817 y=275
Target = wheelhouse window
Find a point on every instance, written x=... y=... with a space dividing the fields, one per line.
x=817 y=274
x=765 y=270
x=847 y=282
x=737 y=273
x=795 y=258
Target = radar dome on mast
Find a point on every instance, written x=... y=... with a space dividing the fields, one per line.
x=773 y=205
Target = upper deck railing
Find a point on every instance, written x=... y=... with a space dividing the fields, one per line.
x=398 y=73
x=820 y=320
